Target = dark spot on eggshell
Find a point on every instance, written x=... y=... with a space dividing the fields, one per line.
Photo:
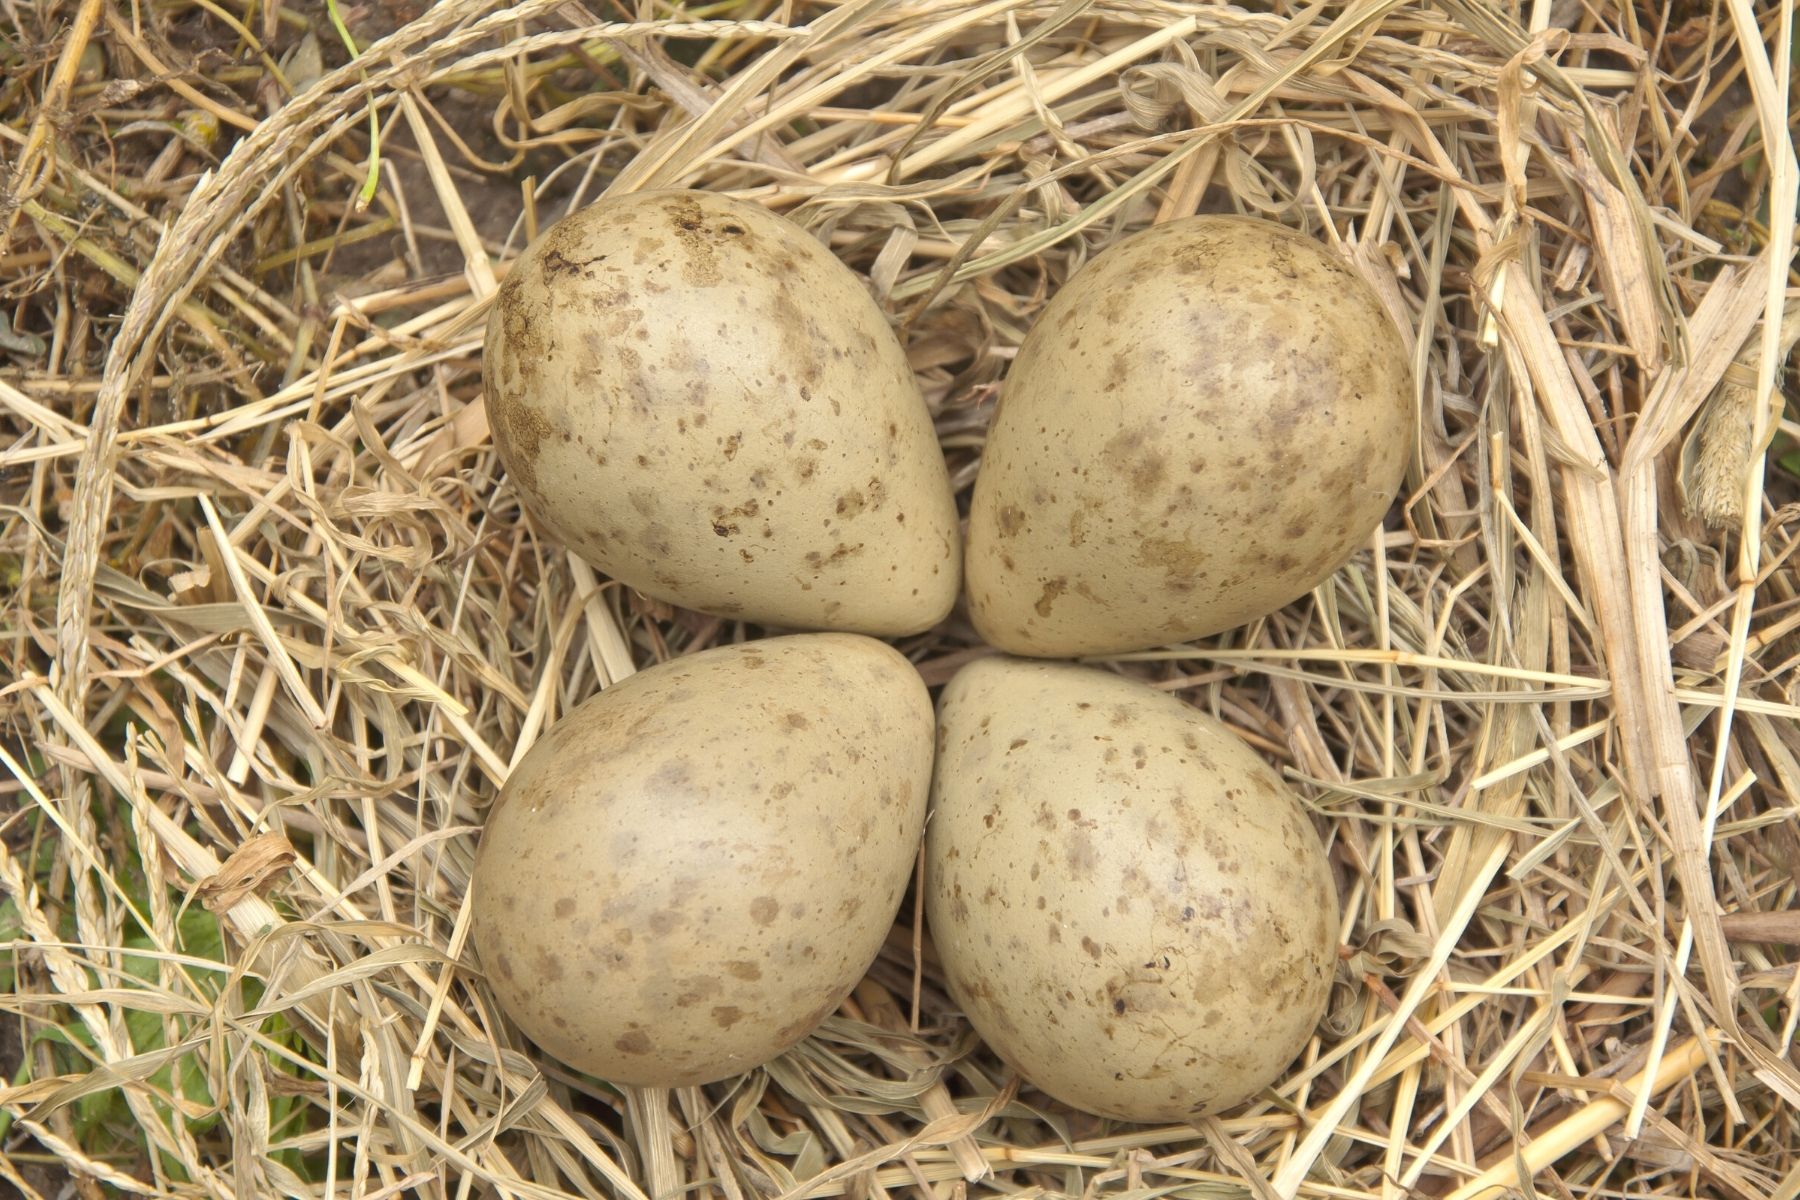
x=699 y=267
x=818 y=559
x=520 y=431
x=554 y=263
x=805 y=1025
x=764 y=909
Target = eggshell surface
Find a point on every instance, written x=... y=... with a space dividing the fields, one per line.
x=1201 y=426
x=1127 y=903
x=690 y=871
x=700 y=400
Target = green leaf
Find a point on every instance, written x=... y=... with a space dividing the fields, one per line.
x=373 y=178
x=197 y=934
x=12 y=929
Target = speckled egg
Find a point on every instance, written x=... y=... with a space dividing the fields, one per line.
x=1202 y=425
x=1128 y=904
x=691 y=870
x=702 y=401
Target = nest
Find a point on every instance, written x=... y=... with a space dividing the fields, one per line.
x=275 y=624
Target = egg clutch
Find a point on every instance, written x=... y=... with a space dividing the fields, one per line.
x=690 y=871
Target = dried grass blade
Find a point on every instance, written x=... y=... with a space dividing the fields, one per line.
x=1595 y=1117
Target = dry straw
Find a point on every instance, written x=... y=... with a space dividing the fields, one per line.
x=275 y=627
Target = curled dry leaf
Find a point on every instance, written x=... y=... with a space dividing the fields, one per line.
x=1390 y=949
x=252 y=868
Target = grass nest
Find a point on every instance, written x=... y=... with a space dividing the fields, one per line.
x=275 y=625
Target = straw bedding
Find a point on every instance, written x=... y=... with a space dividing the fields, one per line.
x=275 y=624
